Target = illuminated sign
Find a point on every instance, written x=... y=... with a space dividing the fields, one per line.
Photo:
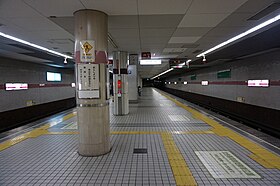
x=150 y=62
x=204 y=83
x=258 y=83
x=16 y=86
x=146 y=55
x=51 y=76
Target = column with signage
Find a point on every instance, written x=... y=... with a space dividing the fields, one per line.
x=121 y=97
x=133 y=78
x=92 y=82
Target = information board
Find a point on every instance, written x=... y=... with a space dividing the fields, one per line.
x=223 y=164
x=88 y=80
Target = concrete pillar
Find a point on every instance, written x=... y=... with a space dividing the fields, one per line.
x=91 y=28
x=121 y=98
x=133 y=78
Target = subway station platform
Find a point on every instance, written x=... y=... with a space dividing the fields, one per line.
x=163 y=141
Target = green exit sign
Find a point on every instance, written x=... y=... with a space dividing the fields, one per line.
x=193 y=77
x=224 y=74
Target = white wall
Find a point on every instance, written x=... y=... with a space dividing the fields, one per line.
x=260 y=67
x=32 y=73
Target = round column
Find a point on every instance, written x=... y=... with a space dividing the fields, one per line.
x=92 y=86
x=121 y=99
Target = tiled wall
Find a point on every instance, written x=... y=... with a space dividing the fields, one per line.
x=259 y=67
x=14 y=71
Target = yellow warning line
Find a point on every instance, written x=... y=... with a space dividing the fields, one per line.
x=137 y=132
x=181 y=172
x=261 y=155
x=32 y=134
x=43 y=130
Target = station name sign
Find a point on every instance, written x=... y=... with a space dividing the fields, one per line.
x=258 y=83
x=16 y=86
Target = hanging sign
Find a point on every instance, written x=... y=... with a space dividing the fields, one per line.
x=146 y=55
x=87 y=51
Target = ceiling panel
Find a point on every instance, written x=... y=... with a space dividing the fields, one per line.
x=28 y=24
x=160 y=21
x=67 y=23
x=254 y=6
x=124 y=33
x=238 y=20
x=122 y=22
x=113 y=7
x=126 y=41
x=214 y=6
x=183 y=39
x=159 y=32
x=174 y=50
x=53 y=34
x=154 y=40
x=151 y=47
x=148 y=7
x=191 y=31
x=55 y=7
x=202 y=20
x=16 y=9
x=225 y=31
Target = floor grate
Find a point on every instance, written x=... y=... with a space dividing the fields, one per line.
x=140 y=151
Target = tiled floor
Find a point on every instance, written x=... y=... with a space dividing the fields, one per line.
x=172 y=136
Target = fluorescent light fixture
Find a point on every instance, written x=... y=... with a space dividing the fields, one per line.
x=258 y=83
x=162 y=73
x=264 y=24
x=204 y=83
x=169 y=83
x=150 y=62
x=16 y=86
x=175 y=83
x=51 y=76
x=34 y=45
x=185 y=82
x=111 y=71
x=165 y=82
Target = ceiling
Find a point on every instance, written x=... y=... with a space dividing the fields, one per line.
x=166 y=28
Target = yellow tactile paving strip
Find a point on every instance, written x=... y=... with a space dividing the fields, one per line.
x=181 y=172
x=32 y=134
x=264 y=157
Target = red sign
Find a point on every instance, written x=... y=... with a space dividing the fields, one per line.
x=119 y=84
x=146 y=55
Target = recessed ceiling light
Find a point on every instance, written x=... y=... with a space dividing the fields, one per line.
x=264 y=24
x=34 y=45
x=162 y=73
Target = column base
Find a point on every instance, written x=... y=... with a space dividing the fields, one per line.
x=93 y=150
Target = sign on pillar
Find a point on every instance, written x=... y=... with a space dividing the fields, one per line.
x=87 y=51
x=88 y=73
